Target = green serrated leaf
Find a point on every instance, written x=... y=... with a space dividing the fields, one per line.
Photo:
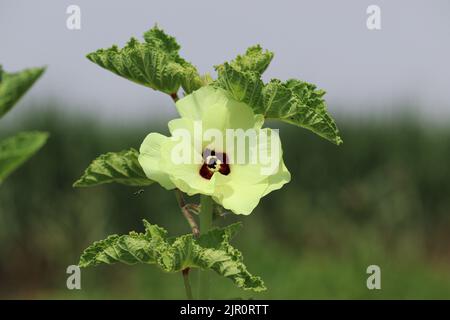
x=191 y=80
x=254 y=60
x=154 y=63
x=301 y=104
x=15 y=150
x=120 y=167
x=311 y=111
x=242 y=86
x=210 y=251
x=14 y=85
x=295 y=102
x=278 y=100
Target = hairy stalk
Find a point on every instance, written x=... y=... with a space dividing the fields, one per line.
x=186 y=213
x=187 y=284
x=174 y=96
x=206 y=218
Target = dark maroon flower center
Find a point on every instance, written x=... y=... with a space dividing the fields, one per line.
x=214 y=162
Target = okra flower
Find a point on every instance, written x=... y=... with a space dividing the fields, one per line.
x=216 y=148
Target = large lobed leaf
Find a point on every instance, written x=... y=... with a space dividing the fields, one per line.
x=210 y=251
x=17 y=149
x=121 y=167
x=14 y=85
x=294 y=101
x=154 y=63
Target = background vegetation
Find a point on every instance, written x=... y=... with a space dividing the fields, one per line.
x=380 y=198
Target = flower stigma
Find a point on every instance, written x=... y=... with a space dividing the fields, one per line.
x=214 y=162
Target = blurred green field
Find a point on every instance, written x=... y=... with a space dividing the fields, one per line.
x=383 y=198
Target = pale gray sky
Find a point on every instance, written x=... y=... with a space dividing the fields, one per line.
x=324 y=42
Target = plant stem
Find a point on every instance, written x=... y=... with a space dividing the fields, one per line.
x=187 y=284
x=206 y=214
x=184 y=209
x=174 y=96
x=206 y=217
